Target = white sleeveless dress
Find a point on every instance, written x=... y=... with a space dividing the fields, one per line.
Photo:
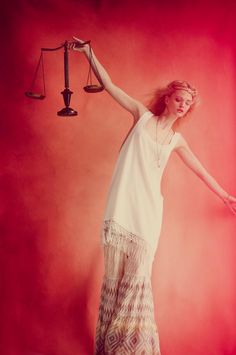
x=130 y=234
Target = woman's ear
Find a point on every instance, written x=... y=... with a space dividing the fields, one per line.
x=166 y=99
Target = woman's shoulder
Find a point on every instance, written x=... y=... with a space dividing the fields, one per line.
x=180 y=141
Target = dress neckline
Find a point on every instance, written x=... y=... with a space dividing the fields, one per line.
x=151 y=139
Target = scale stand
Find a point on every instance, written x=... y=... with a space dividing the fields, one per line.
x=66 y=93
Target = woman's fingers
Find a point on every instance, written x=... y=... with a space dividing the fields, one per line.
x=79 y=44
x=72 y=46
x=76 y=46
x=78 y=40
x=232 y=207
x=230 y=202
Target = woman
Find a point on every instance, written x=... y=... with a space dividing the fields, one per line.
x=133 y=215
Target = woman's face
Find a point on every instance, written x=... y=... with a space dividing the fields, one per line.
x=178 y=103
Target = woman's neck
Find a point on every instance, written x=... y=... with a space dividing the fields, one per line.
x=167 y=121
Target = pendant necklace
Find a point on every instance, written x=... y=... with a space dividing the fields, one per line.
x=158 y=153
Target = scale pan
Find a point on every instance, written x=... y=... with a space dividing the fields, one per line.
x=34 y=95
x=93 y=88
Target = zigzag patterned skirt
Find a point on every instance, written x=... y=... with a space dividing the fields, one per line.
x=126 y=323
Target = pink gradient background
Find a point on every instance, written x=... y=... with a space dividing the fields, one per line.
x=55 y=173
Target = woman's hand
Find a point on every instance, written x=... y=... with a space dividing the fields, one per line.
x=230 y=202
x=79 y=45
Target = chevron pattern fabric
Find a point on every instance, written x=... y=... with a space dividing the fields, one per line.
x=126 y=323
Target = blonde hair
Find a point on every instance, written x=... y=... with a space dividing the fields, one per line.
x=157 y=104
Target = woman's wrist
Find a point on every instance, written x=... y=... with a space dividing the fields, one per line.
x=86 y=50
x=225 y=198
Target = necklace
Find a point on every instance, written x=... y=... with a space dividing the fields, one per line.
x=161 y=144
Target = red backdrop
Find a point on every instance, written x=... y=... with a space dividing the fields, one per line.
x=56 y=172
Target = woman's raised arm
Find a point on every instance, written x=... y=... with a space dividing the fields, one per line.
x=135 y=107
x=188 y=157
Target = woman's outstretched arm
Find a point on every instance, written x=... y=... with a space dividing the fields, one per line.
x=188 y=157
x=126 y=101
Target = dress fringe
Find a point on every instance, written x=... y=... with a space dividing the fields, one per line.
x=114 y=234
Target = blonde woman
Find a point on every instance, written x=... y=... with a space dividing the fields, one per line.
x=133 y=214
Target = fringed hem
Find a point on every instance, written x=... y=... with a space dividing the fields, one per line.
x=116 y=235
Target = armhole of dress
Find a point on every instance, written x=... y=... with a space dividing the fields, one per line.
x=139 y=122
x=143 y=116
x=143 y=119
